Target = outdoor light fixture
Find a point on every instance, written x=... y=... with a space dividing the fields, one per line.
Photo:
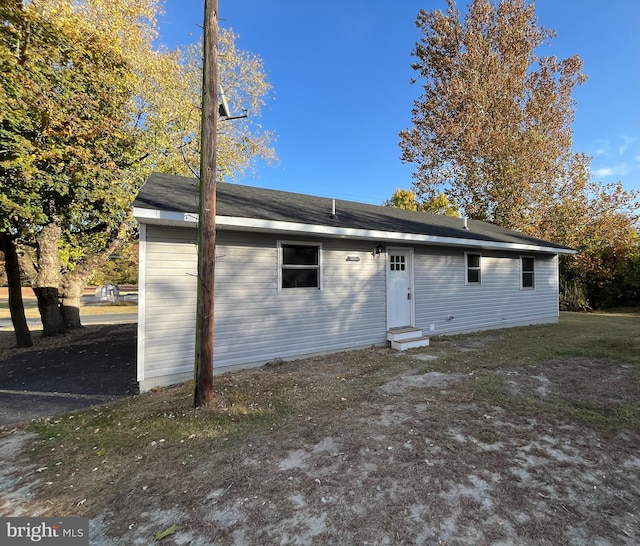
x=379 y=249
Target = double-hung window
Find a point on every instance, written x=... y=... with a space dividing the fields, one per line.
x=474 y=275
x=300 y=265
x=527 y=272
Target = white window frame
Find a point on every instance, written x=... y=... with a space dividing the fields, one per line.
x=281 y=264
x=466 y=268
x=522 y=272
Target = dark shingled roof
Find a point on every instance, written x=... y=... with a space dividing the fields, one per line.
x=172 y=193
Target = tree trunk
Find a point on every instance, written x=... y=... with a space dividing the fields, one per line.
x=72 y=287
x=16 y=305
x=49 y=307
x=47 y=280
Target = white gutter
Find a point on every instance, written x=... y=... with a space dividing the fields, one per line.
x=181 y=219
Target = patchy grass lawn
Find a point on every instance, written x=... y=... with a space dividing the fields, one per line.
x=519 y=436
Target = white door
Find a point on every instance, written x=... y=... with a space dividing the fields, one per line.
x=399 y=288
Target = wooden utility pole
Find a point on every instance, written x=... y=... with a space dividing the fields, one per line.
x=203 y=389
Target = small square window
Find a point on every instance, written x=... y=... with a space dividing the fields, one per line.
x=397 y=263
x=300 y=266
x=474 y=275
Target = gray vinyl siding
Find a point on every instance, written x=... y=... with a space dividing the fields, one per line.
x=497 y=302
x=170 y=284
x=254 y=322
x=281 y=324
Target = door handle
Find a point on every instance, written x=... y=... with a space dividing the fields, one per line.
x=408 y=295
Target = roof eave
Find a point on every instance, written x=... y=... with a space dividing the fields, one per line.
x=165 y=217
x=182 y=219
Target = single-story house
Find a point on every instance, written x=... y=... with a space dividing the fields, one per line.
x=297 y=275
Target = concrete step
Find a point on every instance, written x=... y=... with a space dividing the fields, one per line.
x=400 y=334
x=411 y=343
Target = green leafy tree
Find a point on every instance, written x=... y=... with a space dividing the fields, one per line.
x=492 y=128
x=628 y=278
x=440 y=204
x=88 y=108
x=169 y=110
x=121 y=268
x=600 y=221
x=406 y=199
x=63 y=99
x=402 y=199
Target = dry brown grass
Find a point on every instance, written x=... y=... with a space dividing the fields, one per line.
x=526 y=436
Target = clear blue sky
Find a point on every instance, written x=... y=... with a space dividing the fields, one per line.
x=341 y=75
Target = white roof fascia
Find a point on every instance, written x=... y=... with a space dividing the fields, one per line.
x=182 y=219
x=255 y=224
x=165 y=218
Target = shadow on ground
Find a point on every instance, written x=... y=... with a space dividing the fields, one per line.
x=93 y=366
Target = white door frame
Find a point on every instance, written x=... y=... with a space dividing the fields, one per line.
x=391 y=295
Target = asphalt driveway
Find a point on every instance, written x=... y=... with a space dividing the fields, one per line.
x=90 y=367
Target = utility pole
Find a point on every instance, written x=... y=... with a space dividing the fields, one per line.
x=203 y=380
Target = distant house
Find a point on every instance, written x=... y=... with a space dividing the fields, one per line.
x=298 y=275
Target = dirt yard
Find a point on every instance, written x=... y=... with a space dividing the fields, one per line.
x=459 y=443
